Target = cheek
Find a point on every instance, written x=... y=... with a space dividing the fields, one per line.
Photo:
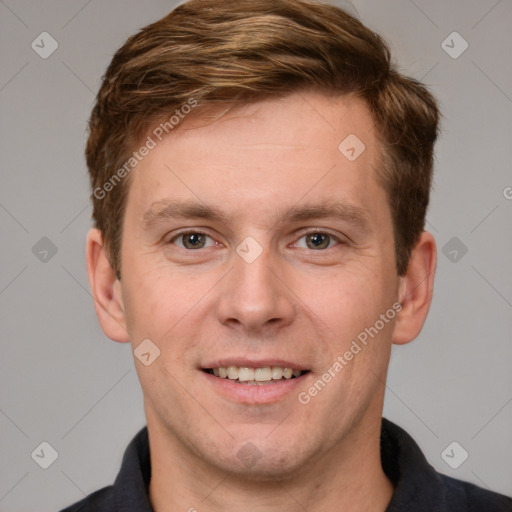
x=167 y=307
x=346 y=302
x=154 y=302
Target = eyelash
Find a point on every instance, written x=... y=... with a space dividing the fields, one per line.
x=312 y=232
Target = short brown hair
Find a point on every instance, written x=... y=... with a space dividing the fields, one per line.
x=226 y=53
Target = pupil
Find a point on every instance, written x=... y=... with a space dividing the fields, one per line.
x=318 y=239
x=193 y=239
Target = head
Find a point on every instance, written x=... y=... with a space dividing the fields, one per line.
x=260 y=178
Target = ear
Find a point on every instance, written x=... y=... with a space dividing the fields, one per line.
x=415 y=292
x=106 y=289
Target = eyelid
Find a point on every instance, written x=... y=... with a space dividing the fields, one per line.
x=186 y=232
x=321 y=231
x=300 y=234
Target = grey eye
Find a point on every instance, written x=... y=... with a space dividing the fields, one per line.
x=317 y=240
x=191 y=240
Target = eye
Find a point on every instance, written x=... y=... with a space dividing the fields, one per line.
x=318 y=240
x=192 y=240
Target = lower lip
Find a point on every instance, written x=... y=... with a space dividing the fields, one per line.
x=255 y=394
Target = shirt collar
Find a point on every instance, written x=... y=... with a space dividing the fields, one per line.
x=131 y=487
x=417 y=485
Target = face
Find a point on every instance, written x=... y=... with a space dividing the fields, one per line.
x=253 y=245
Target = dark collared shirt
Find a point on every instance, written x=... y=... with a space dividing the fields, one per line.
x=418 y=487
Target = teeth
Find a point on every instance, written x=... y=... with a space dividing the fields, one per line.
x=232 y=372
x=253 y=375
x=277 y=373
x=245 y=374
x=263 y=374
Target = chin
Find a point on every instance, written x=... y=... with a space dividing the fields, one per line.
x=262 y=463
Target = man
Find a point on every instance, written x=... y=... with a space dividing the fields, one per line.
x=260 y=178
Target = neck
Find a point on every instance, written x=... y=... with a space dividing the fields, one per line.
x=349 y=477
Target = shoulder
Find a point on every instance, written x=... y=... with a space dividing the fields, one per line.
x=465 y=496
x=130 y=488
x=99 y=501
x=418 y=486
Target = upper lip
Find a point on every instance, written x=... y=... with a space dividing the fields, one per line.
x=253 y=363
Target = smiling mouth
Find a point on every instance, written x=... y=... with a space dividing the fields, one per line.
x=255 y=376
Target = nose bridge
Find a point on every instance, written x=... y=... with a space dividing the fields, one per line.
x=253 y=295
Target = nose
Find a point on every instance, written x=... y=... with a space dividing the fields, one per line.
x=255 y=296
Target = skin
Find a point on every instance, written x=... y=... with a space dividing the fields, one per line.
x=294 y=302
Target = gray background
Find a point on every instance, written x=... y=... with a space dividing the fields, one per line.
x=62 y=381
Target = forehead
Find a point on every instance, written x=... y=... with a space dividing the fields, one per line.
x=302 y=121
x=306 y=146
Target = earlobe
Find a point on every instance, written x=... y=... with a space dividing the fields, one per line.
x=105 y=288
x=416 y=289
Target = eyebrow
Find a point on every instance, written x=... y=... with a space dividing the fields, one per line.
x=172 y=209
